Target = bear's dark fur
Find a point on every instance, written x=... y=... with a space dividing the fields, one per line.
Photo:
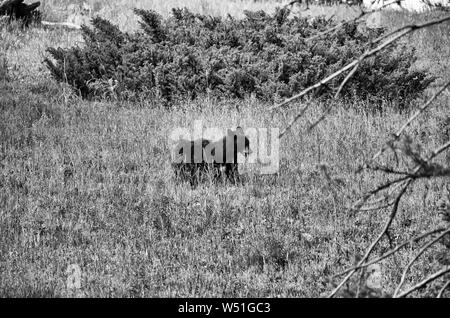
x=202 y=159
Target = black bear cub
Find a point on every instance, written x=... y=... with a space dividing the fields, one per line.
x=202 y=159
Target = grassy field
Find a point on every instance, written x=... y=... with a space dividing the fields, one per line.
x=88 y=185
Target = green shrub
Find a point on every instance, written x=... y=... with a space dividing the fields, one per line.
x=265 y=55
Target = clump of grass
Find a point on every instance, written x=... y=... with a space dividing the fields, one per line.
x=4 y=76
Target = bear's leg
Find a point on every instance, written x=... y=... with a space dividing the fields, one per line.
x=231 y=172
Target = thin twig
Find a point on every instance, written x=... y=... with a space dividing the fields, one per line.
x=424 y=282
x=387 y=170
x=434 y=153
x=322 y=117
x=411 y=119
x=398 y=182
x=422 y=250
x=375 y=242
x=317 y=85
x=435 y=171
x=351 y=65
x=361 y=202
x=356 y=19
x=374 y=208
x=441 y=292
x=61 y=24
x=346 y=79
x=393 y=251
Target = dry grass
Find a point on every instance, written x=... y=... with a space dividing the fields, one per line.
x=89 y=183
x=120 y=12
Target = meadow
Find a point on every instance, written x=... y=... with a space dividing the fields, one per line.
x=88 y=184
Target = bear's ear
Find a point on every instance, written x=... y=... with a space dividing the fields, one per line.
x=239 y=130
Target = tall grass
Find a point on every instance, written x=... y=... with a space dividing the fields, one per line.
x=121 y=13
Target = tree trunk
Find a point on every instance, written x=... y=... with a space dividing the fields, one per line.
x=16 y=9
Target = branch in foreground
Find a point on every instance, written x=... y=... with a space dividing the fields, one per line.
x=61 y=24
x=414 y=175
x=429 y=171
x=410 y=120
x=436 y=152
x=16 y=9
x=356 y=19
x=361 y=202
x=441 y=292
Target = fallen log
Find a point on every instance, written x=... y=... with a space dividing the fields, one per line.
x=17 y=10
x=67 y=25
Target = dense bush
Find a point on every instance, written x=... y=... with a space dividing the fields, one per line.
x=265 y=55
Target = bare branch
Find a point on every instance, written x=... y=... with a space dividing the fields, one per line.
x=416 y=173
x=430 y=171
x=317 y=85
x=439 y=150
x=387 y=170
x=441 y=292
x=375 y=242
x=427 y=280
x=419 y=111
x=61 y=24
x=353 y=64
x=423 y=169
x=330 y=30
x=393 y=251
x=374 y=208
x=346 y=79
x=321 y=118
x=300 y=114
x=361 y=202
x=410 y=27
x=356 y=19
x=408 y=267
